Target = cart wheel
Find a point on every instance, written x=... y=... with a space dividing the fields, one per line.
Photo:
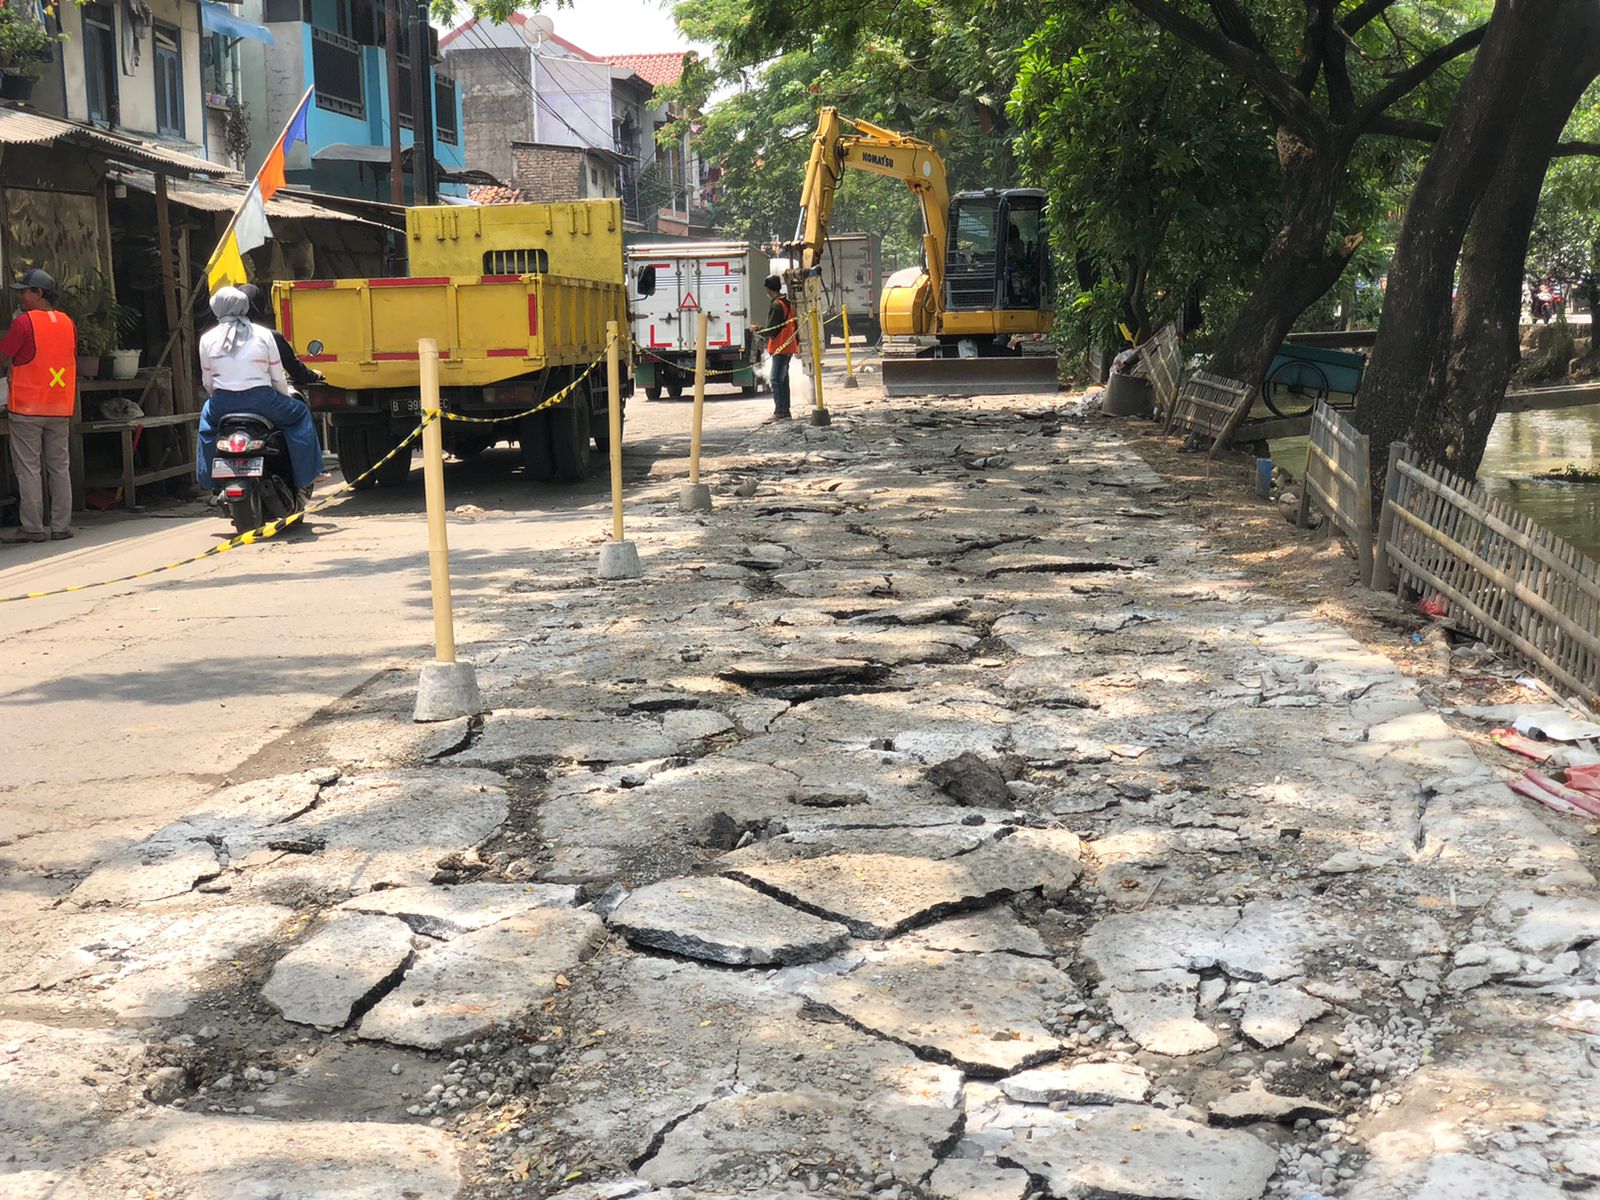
x=1293 y=389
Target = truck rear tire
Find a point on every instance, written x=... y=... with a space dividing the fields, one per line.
x=653 y=392
x=357 y=453
x=397 y=471
x=675 y=391
x=569 y=437
x=533 y=436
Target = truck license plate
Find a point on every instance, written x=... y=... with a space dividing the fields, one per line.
x=236 y=468
x=405 y=408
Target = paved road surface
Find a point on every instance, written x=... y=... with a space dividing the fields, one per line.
x=120 y=706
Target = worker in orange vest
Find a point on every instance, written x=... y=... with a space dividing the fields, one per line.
x=41 y=348
x=782 y=341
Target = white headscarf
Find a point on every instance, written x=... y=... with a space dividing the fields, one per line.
x=231 y=308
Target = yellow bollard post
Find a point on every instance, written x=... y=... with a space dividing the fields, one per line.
x=696 y=496
x=849 y=357
x=447 y=688
x=619 y=559
x=819 y=413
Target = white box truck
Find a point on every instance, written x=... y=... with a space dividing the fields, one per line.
x=852 y=269
x=669 y=285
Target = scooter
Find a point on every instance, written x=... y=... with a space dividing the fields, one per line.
x=252 y=471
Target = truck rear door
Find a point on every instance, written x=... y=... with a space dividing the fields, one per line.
x=656 y=323
x=724 y=292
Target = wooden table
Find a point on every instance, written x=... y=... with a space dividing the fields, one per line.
x=132 y=478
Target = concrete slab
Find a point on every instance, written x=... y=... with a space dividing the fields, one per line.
x=510 y=735
x=738 y=1138
x=326 y=977
x=1274 y=1015
x=445 y=911
x=721 y=921
x=1136 y=1153
x=983 y=1013
x=456 y=990
x=227 y=1158
x=1079 y=1083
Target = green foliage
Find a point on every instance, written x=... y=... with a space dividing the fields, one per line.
x=101 y=321
x=24 y=41
x=931 y=68
x=1160 y=170
x=1566 y=236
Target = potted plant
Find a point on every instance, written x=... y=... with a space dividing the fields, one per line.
x=101 y=323
x=24 y=44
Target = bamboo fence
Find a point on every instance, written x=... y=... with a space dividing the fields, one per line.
x=1338 y=476
x=1506 y=580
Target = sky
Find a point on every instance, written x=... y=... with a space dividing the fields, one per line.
x=618 y=26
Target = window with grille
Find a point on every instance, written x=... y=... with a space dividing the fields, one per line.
x=516 y=262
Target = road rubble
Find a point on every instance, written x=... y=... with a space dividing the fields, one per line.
x=940 y=818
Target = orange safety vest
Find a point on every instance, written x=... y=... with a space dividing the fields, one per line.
x=785 y=340
x=47 y=386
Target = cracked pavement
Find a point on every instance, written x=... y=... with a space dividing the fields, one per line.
x=949 y=818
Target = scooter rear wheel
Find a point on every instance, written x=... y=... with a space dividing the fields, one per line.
x=247 y=512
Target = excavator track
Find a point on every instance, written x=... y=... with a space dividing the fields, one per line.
x=909 y=374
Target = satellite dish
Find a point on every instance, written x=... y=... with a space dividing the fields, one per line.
x=538 y=28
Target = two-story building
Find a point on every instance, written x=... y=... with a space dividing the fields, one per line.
x=557 y=122
x=158 y=70
x=337 y=48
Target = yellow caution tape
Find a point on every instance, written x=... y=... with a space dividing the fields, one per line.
x=537 y=408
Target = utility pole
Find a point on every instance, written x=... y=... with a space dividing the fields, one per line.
x=391 y=37
x=424 y=186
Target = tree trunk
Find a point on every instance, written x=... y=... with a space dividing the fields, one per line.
x=1486 y=341
x=1297 y=269
x=1408 y=361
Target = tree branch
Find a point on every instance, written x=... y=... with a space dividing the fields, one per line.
x=1364 y=14
x=1403 y=84
x=1236 y=27
x=1424 y=131
x=1276 y=89
x=1319 y=14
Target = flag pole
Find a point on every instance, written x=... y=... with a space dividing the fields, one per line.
x=254 y=179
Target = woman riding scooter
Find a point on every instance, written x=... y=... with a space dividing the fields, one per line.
x=243 y=372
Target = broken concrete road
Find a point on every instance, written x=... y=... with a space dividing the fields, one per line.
x=912 y=829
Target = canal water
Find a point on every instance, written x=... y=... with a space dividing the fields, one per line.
x=1524 y=445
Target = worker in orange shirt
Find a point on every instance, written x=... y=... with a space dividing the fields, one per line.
x=41 y=348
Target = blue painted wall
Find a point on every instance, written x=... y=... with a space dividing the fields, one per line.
x=325 y=128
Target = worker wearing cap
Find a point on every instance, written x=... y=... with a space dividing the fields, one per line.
x=782 y=340
x=41 y=348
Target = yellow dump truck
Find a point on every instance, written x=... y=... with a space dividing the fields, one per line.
x=517 y=296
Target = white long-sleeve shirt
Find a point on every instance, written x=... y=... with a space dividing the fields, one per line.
x=254 y=363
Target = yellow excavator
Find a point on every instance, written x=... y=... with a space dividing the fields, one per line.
x=981 y=306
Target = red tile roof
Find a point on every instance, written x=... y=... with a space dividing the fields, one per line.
x=655 y=69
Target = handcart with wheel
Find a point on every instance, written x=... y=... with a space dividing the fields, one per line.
x=1301 y=375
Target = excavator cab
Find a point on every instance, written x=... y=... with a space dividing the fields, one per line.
x=998 y=256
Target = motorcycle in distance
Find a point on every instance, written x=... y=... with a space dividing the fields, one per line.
x=252 y=471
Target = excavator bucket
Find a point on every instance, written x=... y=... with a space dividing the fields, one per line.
x=1028 y=374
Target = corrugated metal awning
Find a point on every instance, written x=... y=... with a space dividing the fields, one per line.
x=217 y=197
x=19 y=128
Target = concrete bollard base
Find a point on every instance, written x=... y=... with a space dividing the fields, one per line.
x=820 y=416
x=447 y=691
x=695 y=497
x=620 y=560
x=850 y=381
